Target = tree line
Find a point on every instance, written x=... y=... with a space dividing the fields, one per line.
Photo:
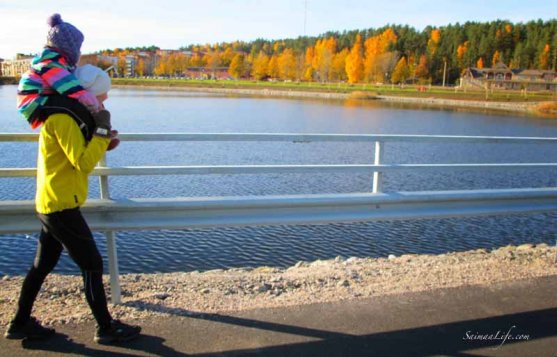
x=390 y=54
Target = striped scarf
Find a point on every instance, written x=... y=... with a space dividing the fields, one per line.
x=49 y=74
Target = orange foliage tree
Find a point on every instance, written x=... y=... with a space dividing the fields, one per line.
x=422 y=70
x=544 y=57
x=433 y=42
x=355 y=62
x=377 y=55
x=496 y=58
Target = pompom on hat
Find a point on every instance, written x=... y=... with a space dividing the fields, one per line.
x=64 y=37
x=94 y=79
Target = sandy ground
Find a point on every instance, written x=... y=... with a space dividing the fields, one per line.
x=144 y=295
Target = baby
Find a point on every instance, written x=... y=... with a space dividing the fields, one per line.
x=97 y=82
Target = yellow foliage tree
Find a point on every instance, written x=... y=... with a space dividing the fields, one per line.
x=273 y=68
x=308 y=64
x=236 y=68
x=480 y=63
x=324 y=51
x=287 y=65
x=227 y=56
x=197 y=60
x=140 y=67
x=260 y=68
x=401 y=72
x=212 y=60
x=338 y=67
x=354 y=62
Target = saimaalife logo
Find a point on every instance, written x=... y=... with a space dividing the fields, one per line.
x=501 y=336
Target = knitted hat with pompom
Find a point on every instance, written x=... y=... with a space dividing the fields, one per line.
x=65 y=37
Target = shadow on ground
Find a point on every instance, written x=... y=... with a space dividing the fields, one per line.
x=452 y=339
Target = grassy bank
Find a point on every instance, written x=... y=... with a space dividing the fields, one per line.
x=368 y=90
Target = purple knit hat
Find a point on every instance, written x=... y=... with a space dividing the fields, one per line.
x=65 y=37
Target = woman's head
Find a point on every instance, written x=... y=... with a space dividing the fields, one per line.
x=65 y=37
x=94 y=79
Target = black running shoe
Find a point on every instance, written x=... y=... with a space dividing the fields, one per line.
x=116 y=332
x=32 y=329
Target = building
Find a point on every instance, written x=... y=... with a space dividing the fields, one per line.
x=219 y=73
x=15 y=68
x=503 y=77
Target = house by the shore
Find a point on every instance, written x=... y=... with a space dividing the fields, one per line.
x=15 y=67
x=502 y=77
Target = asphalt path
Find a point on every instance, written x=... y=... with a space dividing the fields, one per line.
x=517 y=318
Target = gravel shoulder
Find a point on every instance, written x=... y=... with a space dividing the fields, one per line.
x=61 y=300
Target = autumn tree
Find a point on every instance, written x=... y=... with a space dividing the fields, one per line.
x=260 y=68
x=236 y=68
x=324 y=51
x=287 y=65
x=422 y=70
x=460 y=54
x=401 y=72
x=354 y=62
x=308 y=64
x=480 y=63
x=338 y=66
x=544 y=57
x=213 y=61
x=197 y=60
x=496 y=58
x=140 y=67
x=273 y=67
x=121 y=65
x=227 y=56
x=378 y=55
x=433 y=42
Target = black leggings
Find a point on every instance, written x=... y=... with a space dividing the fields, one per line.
x=65 y=229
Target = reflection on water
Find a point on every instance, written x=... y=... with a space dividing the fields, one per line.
x=178 y=111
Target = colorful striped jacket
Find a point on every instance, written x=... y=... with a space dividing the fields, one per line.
x=49 y=74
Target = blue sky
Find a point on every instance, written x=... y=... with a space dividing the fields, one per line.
x=174 y=23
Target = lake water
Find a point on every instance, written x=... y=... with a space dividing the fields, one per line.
x=135 y=110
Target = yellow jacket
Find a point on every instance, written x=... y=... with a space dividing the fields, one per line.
x=64 y=164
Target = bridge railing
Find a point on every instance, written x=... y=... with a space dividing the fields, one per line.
x=109 y=215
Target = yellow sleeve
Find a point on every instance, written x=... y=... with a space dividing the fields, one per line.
x=82 y=155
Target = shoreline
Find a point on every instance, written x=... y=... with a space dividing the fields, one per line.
x=61 y=300
x=473 y=105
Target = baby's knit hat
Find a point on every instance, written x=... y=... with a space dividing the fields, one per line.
x=65 y=37
x=94 y=79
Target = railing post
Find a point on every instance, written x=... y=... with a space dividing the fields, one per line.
x=377 y=176
x=115 y=291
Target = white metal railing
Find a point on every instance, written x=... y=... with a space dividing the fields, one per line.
x=108 y=215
